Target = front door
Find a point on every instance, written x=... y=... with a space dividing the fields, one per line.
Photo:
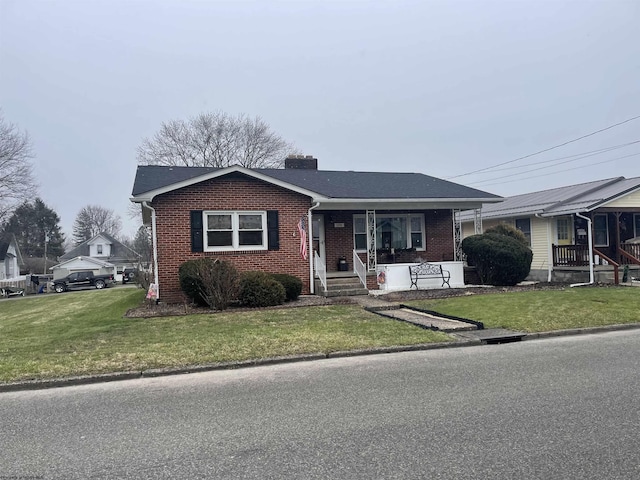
x=317 y=230
x=564 y=227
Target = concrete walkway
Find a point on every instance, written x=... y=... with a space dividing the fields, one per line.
x=397 y=311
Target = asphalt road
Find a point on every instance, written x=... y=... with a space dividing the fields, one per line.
x=561 y=408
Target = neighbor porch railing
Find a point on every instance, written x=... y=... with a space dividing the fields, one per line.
x=321 y=270
x=629 y=253
x=616 y=265
x=360 y=268
x=578 y=256
x=570 y=255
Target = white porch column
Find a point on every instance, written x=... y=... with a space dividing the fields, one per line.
x=457 y=236
x=372 y=259
x=477 y=221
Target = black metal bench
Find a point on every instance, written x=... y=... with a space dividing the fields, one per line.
x=428 y=270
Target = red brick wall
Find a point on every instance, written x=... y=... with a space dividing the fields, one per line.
x=228 y=193
x=439 y=225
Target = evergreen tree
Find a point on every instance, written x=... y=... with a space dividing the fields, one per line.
x=31 y=223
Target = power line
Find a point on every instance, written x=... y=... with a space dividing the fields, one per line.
x=484 y=184
x=576 y=156
x=547 y=149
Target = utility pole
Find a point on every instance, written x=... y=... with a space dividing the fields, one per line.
x=46 y=238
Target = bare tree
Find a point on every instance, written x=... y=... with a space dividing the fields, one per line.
x=92 y=220
x=215 y=140
x=16 y=170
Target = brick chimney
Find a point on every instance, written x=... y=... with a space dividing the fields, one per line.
x=304 y=162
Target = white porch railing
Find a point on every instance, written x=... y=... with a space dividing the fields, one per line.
x=321 y=270
x=360 y=268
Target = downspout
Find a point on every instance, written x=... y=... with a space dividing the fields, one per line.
x=312 y=283
x=590 y=237
x=155 y=248
x=549 y=248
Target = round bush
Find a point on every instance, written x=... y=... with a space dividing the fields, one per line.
x=292 y=285
x=510 y=231
x=499 y=259
x=260 y=289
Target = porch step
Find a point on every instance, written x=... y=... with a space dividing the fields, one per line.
x=349 y=292
x=341 y=286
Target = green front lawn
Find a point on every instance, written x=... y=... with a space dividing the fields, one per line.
x=544 y=310
x=79 y=333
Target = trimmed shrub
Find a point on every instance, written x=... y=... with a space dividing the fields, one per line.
x=509 y=231
x=260 y=289
x=209 y=282
x=292 y=285
x=190 y=283
x=499 y=259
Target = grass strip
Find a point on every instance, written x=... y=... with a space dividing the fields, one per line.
x=544 y=310
x=80 y=333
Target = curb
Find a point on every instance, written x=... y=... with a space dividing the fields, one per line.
x=162 y=372
x=582 y=331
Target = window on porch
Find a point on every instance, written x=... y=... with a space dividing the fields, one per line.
x=392 y=231
x=636 y=224
x=601 y=230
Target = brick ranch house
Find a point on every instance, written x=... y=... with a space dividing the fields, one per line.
x=258 y=219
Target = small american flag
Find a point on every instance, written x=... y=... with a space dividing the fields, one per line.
x=302 y=230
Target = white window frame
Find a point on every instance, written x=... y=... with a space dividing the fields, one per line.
x=235 y=231
x=364 y=223
x=636 y=224
x=606 y=218
x=408 y=216
x=99 y=249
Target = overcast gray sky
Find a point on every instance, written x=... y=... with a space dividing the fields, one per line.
x=438 y=87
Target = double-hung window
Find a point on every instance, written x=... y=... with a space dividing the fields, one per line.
x=235 y=230
x=360 y=232
x=636 y=224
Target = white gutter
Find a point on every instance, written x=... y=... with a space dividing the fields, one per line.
x=549 y=248
x=310 y=254
x=590 y=237
x=155 y=248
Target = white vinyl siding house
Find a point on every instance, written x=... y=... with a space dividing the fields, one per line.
x=563 y=219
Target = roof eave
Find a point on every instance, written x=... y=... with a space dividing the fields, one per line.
x=401 y=203
x=150 y=195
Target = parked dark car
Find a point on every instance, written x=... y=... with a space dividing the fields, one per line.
x=129 y=275
x=79 y=280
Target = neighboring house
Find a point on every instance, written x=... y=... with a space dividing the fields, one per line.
x=571 y=228
x=83 y=264
x=100 y=254
x=269 y=219
x=10 y=257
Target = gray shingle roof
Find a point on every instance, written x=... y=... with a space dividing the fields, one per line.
x=119 y=251
x=330 y=184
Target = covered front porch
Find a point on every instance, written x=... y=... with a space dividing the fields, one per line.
x=355 y=251
x=604 y=242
